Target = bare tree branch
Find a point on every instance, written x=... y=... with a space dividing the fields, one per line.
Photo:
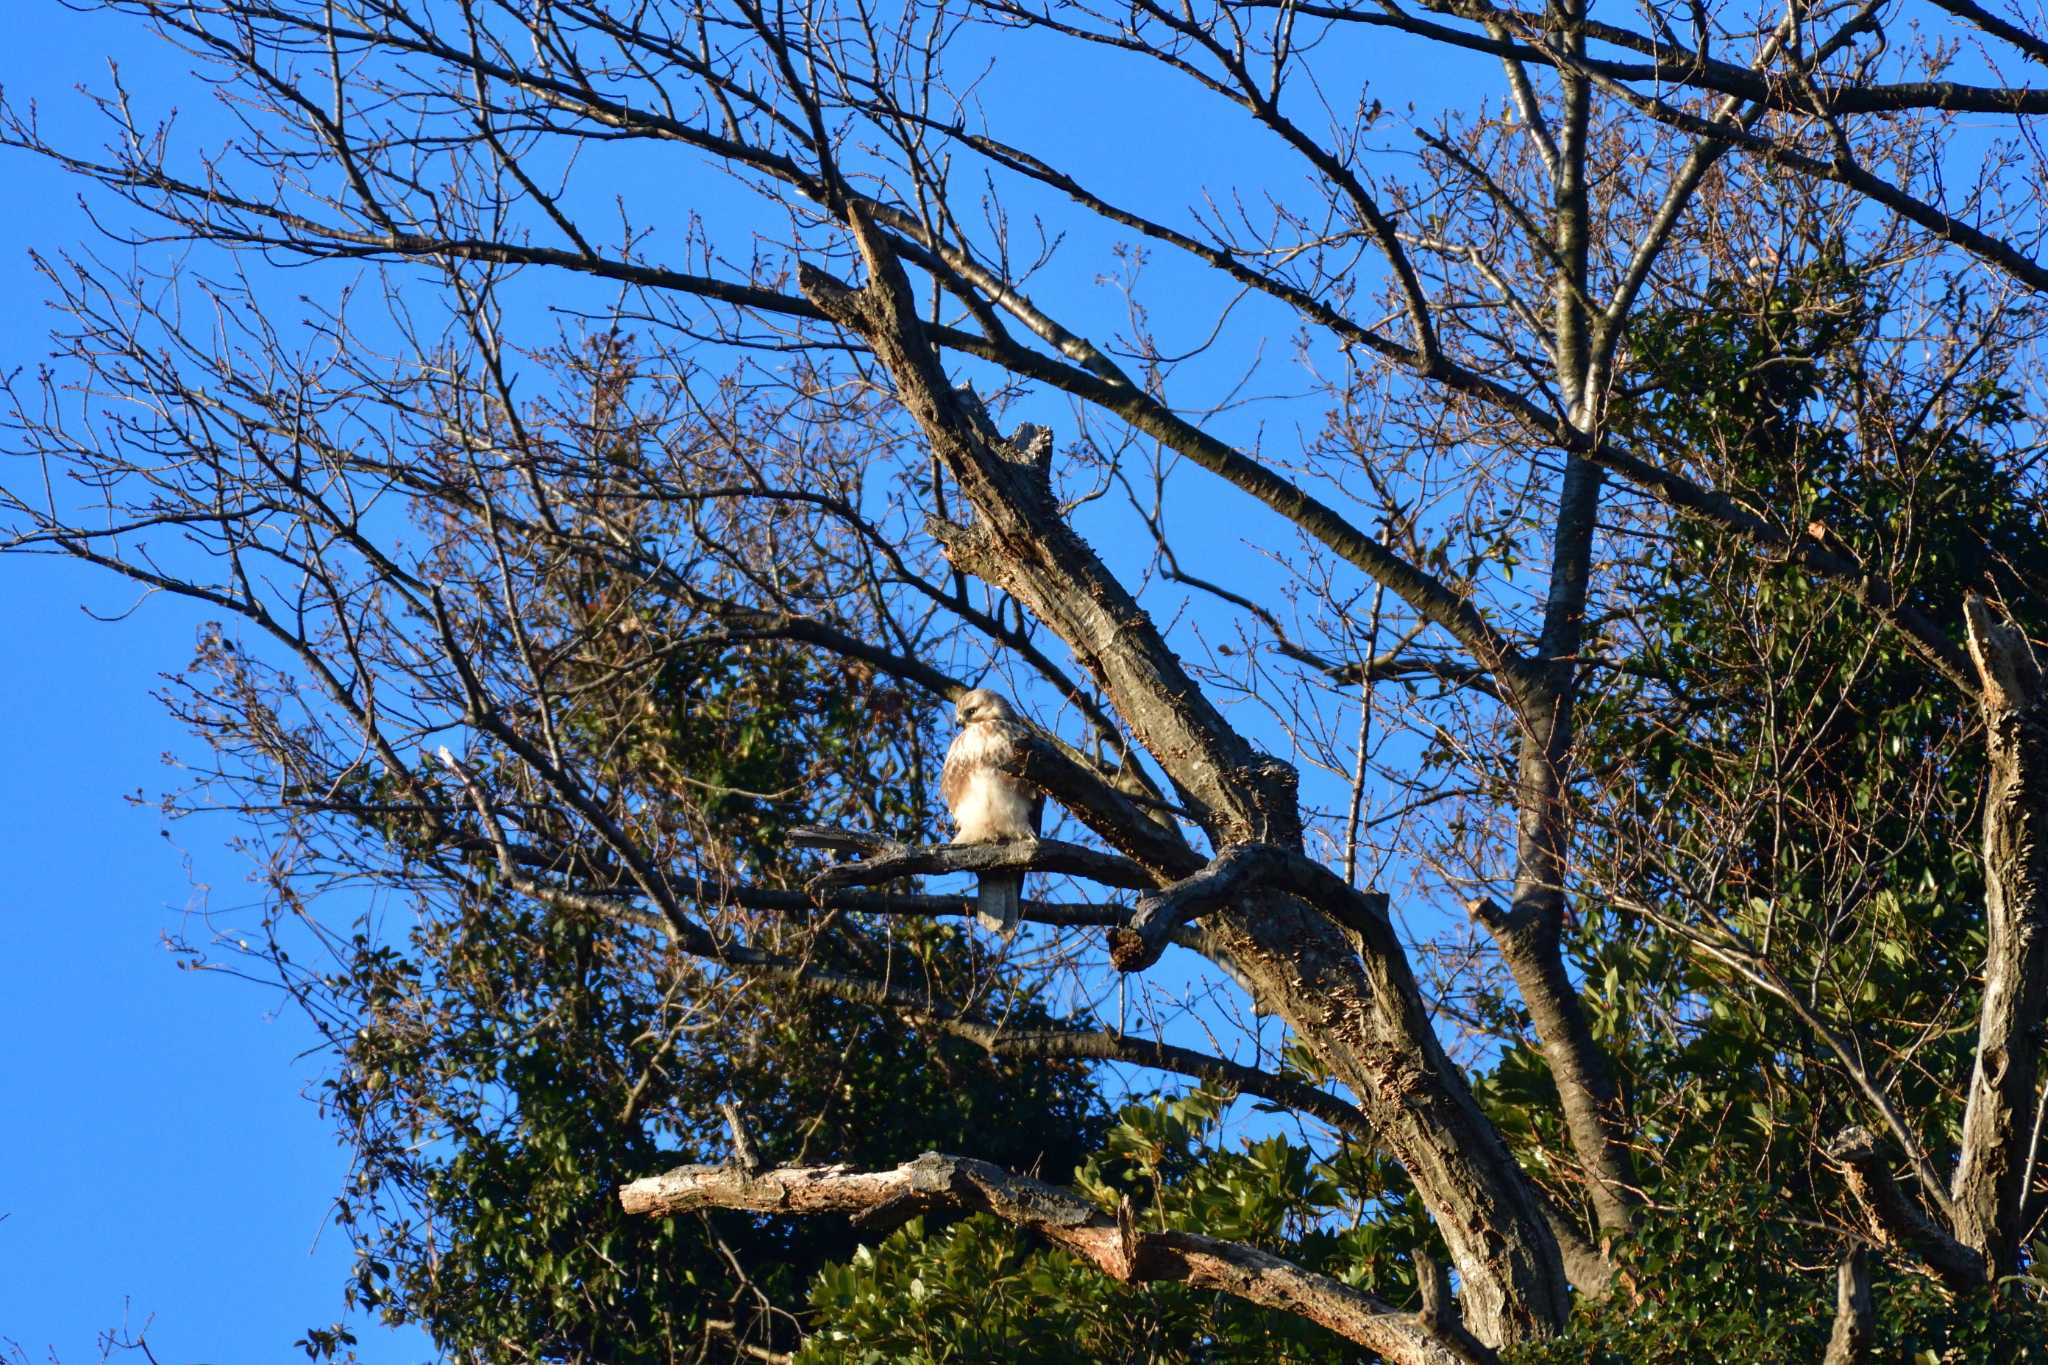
x=1117 y=1247
x=886 y=860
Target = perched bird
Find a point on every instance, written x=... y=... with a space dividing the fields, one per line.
x=989 y=806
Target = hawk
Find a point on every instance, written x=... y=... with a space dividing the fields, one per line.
x=989 y=806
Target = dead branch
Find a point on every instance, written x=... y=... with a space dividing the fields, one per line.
x=1989 y=1189
x=1116 y=1247
x=1895 y=1219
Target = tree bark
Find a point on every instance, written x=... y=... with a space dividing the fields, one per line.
x=1988 y=1190
x=1233 y=873
x=1365 y=1021
x=1853 y=1330
x=1896 y=1219
x=1115 y=1246
x=1530 y=934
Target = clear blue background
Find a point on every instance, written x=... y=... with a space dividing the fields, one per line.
x=158 y=1161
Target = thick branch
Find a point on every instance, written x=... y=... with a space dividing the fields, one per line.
x=1115 y=1246
x=513 y=857
x=1895 y=1219
x=1592 y=1274
x=1148 y=838
x=1530 y=935
x=1369 y=1026
x=906 y=904
x=1529 y=943
x=1023 y=545
x=2028 y=43
x=1231 y=874
x=1158 y=917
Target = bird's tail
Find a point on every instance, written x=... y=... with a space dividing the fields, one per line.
x=1000 y=902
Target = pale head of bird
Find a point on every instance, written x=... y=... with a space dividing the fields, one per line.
x=981 y=705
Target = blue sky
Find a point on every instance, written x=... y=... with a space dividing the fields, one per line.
x=161 y=1163
x=157 y=1160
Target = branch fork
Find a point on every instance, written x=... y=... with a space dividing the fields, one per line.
x=1239 y=870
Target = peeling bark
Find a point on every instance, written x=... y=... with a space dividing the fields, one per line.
x=1989 y=1188
x=1114 y=1245
x=1895 y=1219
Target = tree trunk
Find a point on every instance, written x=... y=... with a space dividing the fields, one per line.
x=1365 y=1021
x=1989 y=1189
